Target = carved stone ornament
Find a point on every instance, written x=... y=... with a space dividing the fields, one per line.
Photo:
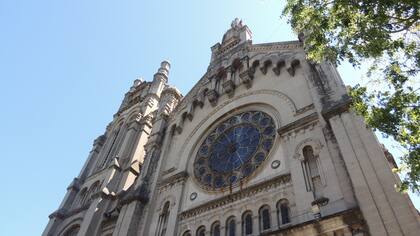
x=212 y=96
x=280 y=64
x=293 y=65
x=265 y=66
x=246 y=77
x=229 y=87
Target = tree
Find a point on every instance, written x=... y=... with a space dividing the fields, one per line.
x=386 y=34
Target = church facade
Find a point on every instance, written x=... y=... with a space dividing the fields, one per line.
x=264 y=144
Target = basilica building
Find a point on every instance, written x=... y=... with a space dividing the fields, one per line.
x=265 y=143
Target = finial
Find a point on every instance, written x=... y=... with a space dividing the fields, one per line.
x=236 y=23
x=164 y=67
x=138 y=81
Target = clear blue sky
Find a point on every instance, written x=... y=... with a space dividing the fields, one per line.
x=65 y=66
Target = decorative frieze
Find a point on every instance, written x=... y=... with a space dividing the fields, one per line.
x=244 y=193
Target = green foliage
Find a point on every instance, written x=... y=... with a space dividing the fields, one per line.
x=386 y=32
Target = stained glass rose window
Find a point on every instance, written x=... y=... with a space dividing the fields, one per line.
x=234 y=149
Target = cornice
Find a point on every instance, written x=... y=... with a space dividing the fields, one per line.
x=264 y=47
x=179 y=177
x=298 y=123
x=337 y=108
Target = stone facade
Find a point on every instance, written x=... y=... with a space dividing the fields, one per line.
x=324 y=174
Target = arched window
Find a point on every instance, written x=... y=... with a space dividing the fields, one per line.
x=72 y=231
x=92 y=190
x=247 y=223
x=187 y=233
x=264 y=215
x=311 y=171
x=110 y=146
x=163 y=220
x=201 y=231
x=283 y=212
x=82 y=197
x=231 y=226
x=215 y=229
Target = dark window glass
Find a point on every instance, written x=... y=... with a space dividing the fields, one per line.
x=187 y=233
x=265 y=218
x=248 y=224
x=215 y=229
x=201 y=231
x=284 y=210
x=231 y=227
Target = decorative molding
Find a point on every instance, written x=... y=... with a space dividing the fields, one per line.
x=244 y=193
x=337 y=108
x=298 y=123
x=180 y=177
x=314 y=143
x=265 y=47
x=305 y=109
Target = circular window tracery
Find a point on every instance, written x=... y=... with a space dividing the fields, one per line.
x=234 y=149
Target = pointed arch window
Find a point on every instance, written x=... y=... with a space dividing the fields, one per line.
x=163 y=220
x=283 y=212
x=72 y=231
x=247 y=223
x=201 y=231
x=82 y=198
x=215 y=229
x=264 y=216
x=231 y=226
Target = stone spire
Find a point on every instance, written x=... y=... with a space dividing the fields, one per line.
x=160 y=78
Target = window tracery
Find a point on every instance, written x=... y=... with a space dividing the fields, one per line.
x=234 y=149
